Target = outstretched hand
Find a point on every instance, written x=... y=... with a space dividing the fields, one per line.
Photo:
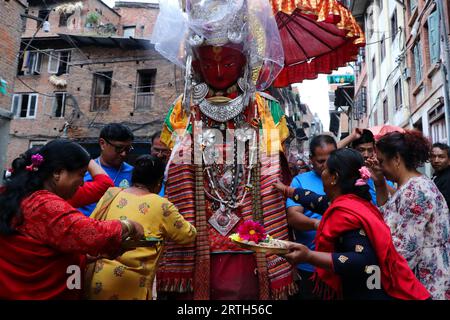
x=375 y=169
x=357 y=133
x=287 y=191
x=298 y=253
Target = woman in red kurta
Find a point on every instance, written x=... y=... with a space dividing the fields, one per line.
x=43 y=244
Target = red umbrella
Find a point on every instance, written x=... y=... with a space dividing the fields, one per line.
x=318 y=36
x=379 y=131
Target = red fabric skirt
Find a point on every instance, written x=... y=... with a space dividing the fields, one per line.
x=30 y=270
x=234 y=277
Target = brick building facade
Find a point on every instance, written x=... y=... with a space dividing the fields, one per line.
x=82 y=80
x=10 y=31
x=425 y=63
x=137 y=18
x=69 y=17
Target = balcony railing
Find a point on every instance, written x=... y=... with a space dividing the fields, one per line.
x=101 y=102
x=144 y=100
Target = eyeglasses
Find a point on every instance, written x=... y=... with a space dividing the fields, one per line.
x=120 y=149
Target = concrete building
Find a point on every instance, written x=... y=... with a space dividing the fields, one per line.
x=10 y=30
x=360 y=118
x=385 y=51
x=88 y=72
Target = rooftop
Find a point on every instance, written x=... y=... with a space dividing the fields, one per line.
x=126 y=4
x=107 y=41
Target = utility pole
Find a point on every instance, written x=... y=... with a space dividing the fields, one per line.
x=446 y=64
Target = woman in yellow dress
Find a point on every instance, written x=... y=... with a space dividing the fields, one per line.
x=131 y=275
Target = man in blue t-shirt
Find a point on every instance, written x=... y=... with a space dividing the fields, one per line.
x=115 y=144
x=305 y=222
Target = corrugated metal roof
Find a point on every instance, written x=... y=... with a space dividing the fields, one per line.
x=109 y=42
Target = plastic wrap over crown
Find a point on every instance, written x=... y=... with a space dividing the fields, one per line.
x=220 y=23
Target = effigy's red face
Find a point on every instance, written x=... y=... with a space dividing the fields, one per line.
x=220 y=67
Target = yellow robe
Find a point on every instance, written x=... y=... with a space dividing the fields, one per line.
x=131 y=276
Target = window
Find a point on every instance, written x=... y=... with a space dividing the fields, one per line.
x=433 y=36
x=385 y=110
x=102 y=90
x=24 y=105
x=129 y=31
x=436 y=118
x=59 y=105
x=30 y=63
x=362 y=54
x=398 y=95
x=418 y=61
x=374 y=68
x=43 y=15
x=145 y=89
x=58 y=62
x=24 y=21
x=63 y=17
x=382 y=48
x=380 y=4
x=370 y=25
x=394 y=25
x=375 y=118
x=438 y=131
x=359 y=107
x=412 y=5
x=37 y=143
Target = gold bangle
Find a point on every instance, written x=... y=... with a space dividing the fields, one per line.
x=128 y=225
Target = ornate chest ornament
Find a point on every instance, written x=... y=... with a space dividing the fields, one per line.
x=228 y=184
x=222 y=112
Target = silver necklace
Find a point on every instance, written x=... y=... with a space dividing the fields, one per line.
x=222 y=112
x=227 y=195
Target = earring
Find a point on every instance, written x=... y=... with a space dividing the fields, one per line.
x=200 y=91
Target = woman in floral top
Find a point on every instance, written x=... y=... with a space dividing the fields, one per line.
x=131 y=276
x=417 y=213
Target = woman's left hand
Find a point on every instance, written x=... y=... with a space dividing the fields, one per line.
x=298 y=253
x=285 y=190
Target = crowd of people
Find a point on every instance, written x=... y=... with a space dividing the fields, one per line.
x=410 y=211
x=356 y=209
x=360 y=219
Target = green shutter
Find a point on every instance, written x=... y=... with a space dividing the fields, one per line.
x=433 y=36
x=418 y=61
